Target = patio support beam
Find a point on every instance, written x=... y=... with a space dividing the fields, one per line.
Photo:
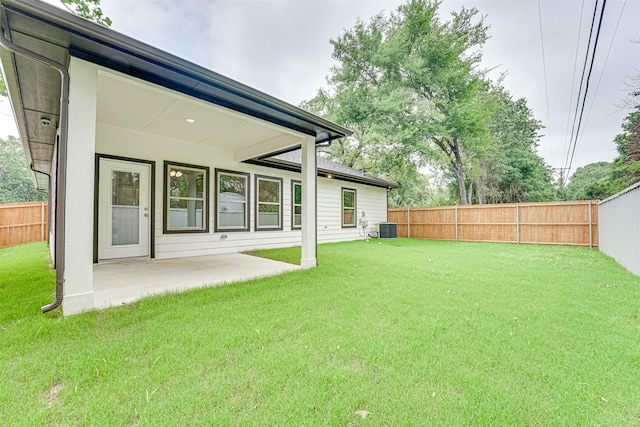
x=78 y=285
x=309 y=207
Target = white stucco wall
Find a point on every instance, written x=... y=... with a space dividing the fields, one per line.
x=78 y=276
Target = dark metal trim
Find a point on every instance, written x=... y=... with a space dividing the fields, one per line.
x=190 y=91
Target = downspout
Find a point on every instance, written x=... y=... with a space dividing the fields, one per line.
x=48 y=193
x=61 y=181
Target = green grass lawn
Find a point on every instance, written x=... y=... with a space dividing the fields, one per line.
x=413 y=332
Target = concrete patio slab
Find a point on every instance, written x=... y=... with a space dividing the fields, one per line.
x=127 y=280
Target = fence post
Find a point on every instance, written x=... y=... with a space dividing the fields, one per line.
x=517 y=223
x=41 y=221
x=590 y=226
x=456 y=222
x=408 y=222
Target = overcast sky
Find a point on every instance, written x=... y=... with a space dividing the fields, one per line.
x=282 y=47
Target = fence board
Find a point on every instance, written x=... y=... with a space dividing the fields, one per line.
x=23 y=223
x=555 y=223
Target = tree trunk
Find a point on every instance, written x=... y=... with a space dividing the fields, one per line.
x=456 y=161
x=481 y=190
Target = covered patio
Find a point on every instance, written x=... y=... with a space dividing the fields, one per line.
x=123 y=281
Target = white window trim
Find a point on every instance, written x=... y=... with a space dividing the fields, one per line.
x=258 y=203
x=247 y=178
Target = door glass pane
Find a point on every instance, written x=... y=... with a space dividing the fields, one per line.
x=125 y=208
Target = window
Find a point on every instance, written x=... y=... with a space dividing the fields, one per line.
x=296 y=205
x=268 y=203
x=348 y=207
x=232 y=195
x=186 y=198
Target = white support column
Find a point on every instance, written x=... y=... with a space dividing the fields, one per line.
x=309 y=205
x=78 y=284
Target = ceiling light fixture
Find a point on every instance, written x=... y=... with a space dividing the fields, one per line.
x=45 y=121
x=189 y=120
x=175 y=173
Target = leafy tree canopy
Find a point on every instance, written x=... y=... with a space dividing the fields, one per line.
x=409 y=86
x=88 y=9
x=600 y=180
x=590 y=182
x=15 y=177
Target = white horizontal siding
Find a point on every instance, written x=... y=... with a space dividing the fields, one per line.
x=372 y=200
x=125 y=143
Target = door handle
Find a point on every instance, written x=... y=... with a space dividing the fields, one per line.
x=146 y=215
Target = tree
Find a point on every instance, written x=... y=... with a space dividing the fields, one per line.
x=15 y=178
x=407 y=85
x=626 y=168
x=600 y=180
x=591 y=182
x=508 y=169
x=88 y=9
x=410 y=88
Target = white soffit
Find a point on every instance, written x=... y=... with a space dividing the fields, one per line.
x=134 y=104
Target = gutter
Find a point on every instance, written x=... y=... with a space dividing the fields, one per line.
x=61 y=181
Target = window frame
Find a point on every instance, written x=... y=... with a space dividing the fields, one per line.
x=247 y=201
x=293 y=204
x=167 y=199
x=355 y=207
x=257 y=180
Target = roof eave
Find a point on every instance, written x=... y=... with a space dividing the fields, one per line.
x=110 y=38
x=294 y=167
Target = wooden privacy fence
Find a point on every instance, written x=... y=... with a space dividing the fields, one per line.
x=23 y=223
x=556 y=223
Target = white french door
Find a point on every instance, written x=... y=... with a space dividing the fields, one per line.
x=124 y=209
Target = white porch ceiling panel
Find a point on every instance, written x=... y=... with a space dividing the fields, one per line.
x=143 y=107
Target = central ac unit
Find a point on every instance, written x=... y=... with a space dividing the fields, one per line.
x=387 y=230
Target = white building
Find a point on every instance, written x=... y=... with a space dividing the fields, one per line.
x=147 y=155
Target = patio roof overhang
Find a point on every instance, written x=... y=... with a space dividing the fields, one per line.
x=261 y=123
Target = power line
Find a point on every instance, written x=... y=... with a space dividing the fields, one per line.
x=593 y=56
x=584 y=69
x=573 y=86
x=546 y=87
x=606 y=58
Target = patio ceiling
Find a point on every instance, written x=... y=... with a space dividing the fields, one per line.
x=143 y=107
